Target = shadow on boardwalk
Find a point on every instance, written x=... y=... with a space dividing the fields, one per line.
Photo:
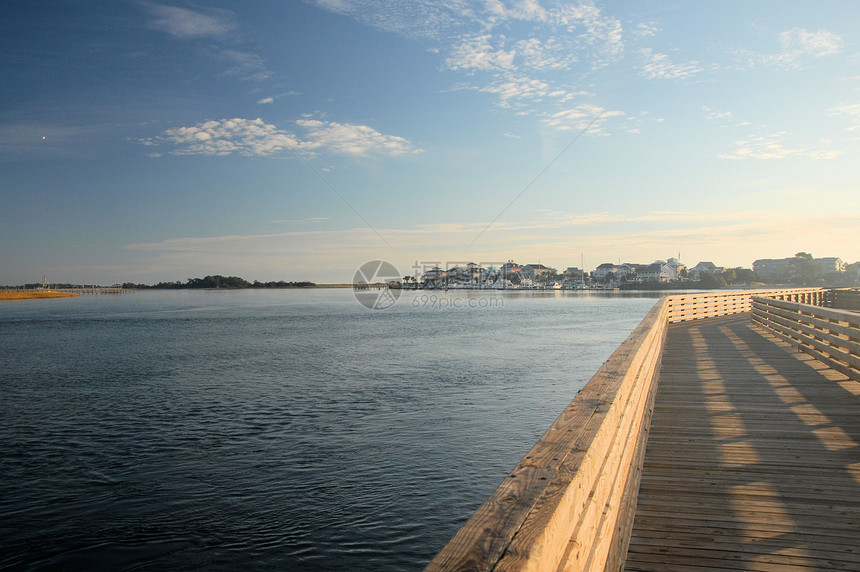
x=753 y=461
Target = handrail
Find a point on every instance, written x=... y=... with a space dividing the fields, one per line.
x=696 y=306
x=830 y=335
x=844 y=299
x=570 y=502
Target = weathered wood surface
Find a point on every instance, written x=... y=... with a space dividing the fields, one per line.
x=753 y=459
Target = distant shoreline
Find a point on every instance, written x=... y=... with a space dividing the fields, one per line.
x=34 y=294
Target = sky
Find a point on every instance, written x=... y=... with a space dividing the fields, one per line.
x=147 y=141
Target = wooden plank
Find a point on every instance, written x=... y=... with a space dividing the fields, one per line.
x=753 y=458
x=702 y=524
x=740 y=536
x=727 y=560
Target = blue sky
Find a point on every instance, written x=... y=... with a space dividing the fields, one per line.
x=145 y=141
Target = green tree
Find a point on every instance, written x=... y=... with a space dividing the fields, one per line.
x=730 y=275
x=711 y=281
x=745 y=276
x=803 y=268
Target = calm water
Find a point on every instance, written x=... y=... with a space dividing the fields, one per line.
x=276 y=429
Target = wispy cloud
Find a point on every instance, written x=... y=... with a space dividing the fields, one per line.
x=660 y=66
x=511 y=50
x=851 y=112
x=518 y=90
x=815 y=44
x=47 y=140
x=585 y=116
x=244 y=65
x=714 y=115
x=308 y=220
x=255 y=137
x=477 y=53
x=274 y=98
x=776 y=146
x=220 y=30
x=796 y=46
x=185 y=24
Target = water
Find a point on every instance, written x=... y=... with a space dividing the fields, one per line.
x=276 y=429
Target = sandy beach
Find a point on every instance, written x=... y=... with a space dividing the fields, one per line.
x=32 y=294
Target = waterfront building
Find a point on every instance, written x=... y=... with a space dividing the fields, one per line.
x=829 y=265
x=696 y=271
x=537 y=272
x=658 y=271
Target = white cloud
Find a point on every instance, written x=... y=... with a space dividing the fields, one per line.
x=540 y=55
x=266 y=100
x=600 y=33
x=476 y=53
x=659 y=66
x=774 y=146
x=510 y=49
x=816 y=44
x=517 y=88
x=646 y=30
x=255 y=137
x=796 y=46
x=584 y=116
x=353 y=139
x=714 y=115
x=185 y=24
x=529 y=10
x=851 y=113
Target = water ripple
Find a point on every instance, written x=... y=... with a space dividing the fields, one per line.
x=288 y=430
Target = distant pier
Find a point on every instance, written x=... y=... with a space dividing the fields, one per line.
x=94 y=290
x=706 y=441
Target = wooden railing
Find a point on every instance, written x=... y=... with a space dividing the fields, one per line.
x=95 y=290
x=830 y=335
x=569 y=504
x=844 y=299
x=683 y=307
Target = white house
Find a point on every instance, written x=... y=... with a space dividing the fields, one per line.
x=704 y=268
x=604 y=270
x=659 y=271
x=536 y=271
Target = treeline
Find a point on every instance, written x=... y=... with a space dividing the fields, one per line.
x=217 y=281
x=727 y=278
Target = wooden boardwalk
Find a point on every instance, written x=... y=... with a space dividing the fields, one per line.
x=753 y=459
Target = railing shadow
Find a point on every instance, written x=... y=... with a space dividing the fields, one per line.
x=771 y=465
